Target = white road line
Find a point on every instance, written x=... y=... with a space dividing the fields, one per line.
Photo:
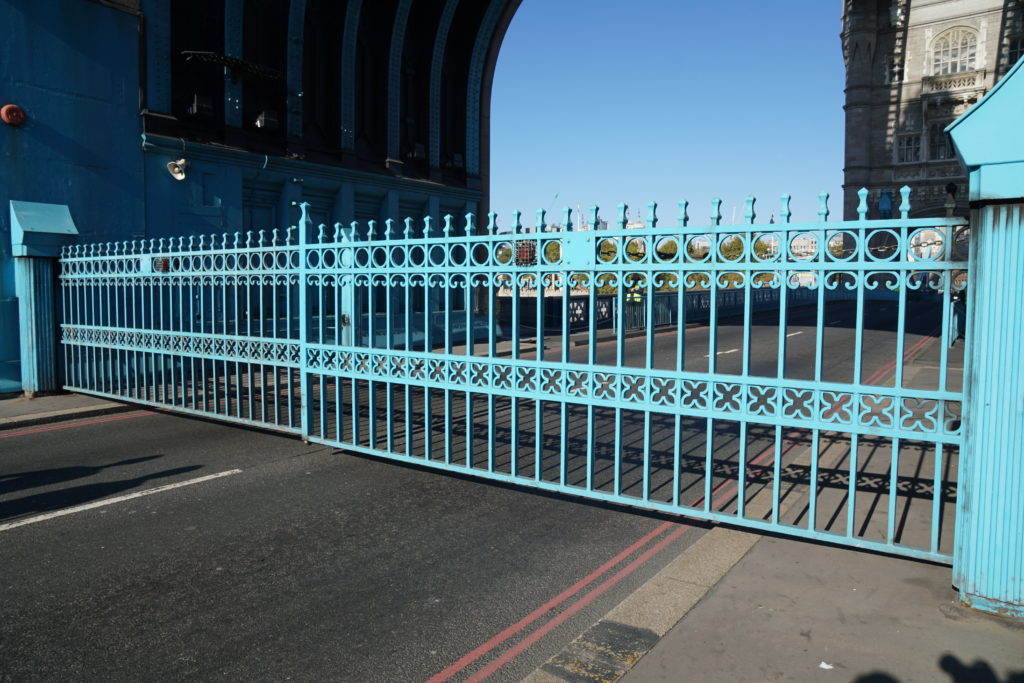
x=793 y=334
x=721 y=353
x=834 y=322
x=111 y=501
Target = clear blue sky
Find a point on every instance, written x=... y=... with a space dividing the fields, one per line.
x=604 y=101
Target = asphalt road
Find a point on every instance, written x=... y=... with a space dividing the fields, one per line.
x=313 y=564
x=308 y=564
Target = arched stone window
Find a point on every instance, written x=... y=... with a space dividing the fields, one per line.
x=954 y=51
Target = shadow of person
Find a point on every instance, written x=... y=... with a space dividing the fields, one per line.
x=876 y=677
x=64 y=498
x=978 y=672
x=19 y=481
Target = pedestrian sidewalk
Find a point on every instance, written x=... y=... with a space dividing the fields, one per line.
x=798 y=611
x=25 y=412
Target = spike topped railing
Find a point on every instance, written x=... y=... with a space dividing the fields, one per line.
x=711 y=370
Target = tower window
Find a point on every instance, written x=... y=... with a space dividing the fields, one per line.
x=908 y=149
x=939 y=144
x=954 y=52
x=1015 y=50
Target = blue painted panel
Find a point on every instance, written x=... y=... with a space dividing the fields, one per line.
x=79 y=145
x=10 y=367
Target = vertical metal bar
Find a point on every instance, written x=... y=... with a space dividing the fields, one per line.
x=812 y=505
x=275 y=333
x=650 y=322
x=780 y=369
x=862 y=280
x=901 y=317
x=516 y=341
x=470 y=342
x=894 y=466
x=620 y=318
x=944 y=336
x=852 y=486
x=741 y=471
x=389 y=344
x=936 y=523
x=617 y=488
x=428 y=409
x=304 y=312
x=492 y=343
x=709 y=460
x=289 y=332
x=647 y=454
x=448 y=354
x=564 y=421
x=591 y=361
x=407 y=319
x=371 y=397
x=777 y=473
x=191 y=331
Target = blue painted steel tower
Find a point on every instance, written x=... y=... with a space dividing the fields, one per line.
x=264 y=104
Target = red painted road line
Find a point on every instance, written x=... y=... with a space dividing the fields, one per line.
x=69 y=425
x=476 y=654
x=515 y=628
x=524 y=644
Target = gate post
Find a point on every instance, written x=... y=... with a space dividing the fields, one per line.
x=988 y=560
x=38 y=231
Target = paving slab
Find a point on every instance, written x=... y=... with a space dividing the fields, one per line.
x=22 y=411
x=800 y=611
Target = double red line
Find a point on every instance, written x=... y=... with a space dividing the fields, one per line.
x=723 y=492
x=79 y=423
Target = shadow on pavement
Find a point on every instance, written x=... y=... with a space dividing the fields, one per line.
x=978 y=672
x=20 y=481
x=56 y=500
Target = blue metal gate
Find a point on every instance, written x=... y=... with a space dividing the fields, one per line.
x=819 y=395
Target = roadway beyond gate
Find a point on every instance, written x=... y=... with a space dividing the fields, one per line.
x=844 y=384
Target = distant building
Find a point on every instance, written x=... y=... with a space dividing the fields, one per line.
x=912 y=67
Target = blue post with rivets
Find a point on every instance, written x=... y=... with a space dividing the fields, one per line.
x=988 y=562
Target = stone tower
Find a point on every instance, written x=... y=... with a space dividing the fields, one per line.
x=912 y=67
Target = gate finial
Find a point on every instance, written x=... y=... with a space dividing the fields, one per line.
x=748 y=212
x=784 y=212
x=823 y=206
x=905 y=204
x=862 y=207
x=684 y=218
x=716 y=211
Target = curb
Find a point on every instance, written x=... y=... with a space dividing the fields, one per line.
x=610 y=648
x=34 y=419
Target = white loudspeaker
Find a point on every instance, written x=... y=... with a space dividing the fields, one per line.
x=177 y=168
